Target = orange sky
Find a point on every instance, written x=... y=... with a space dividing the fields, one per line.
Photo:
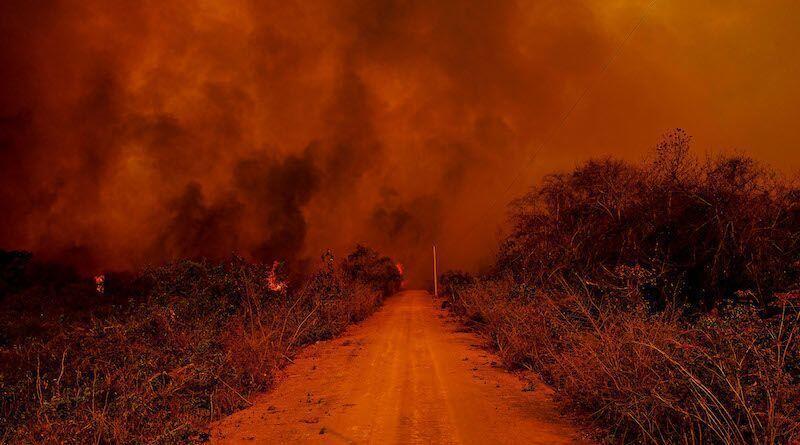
x=133 y=132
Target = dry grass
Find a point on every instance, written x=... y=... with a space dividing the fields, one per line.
x=193 y=348
x=651 y=377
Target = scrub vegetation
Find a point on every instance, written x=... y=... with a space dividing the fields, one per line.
x=162 y=353
x=660 y=300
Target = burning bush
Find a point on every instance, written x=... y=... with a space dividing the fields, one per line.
x=658 y=300
x=190 y=349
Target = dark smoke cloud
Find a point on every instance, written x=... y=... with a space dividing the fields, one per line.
x=399 y=223
x=276 y=192
x=135 y=132
x=197 y=228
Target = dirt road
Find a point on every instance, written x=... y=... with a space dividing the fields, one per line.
x=405 y=375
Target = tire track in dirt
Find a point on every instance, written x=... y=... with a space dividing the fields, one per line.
x=405 y=375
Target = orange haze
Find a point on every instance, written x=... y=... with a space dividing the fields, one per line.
x=134 y=132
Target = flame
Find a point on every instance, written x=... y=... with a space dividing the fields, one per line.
x=273 y=282
x=399 y=267
x=100 y=283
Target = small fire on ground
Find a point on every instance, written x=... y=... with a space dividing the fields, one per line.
x=100 y=284
x=273 y=282
x=399 y=267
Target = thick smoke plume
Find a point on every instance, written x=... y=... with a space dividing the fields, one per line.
x=135 y=132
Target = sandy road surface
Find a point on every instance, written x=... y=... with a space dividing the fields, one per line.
x=405 y=375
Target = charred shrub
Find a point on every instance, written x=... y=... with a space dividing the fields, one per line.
x=13 y=265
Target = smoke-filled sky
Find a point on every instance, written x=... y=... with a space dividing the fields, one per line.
x=135 y=132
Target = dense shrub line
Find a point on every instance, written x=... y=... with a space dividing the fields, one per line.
x=190 y=349
x=659 y=300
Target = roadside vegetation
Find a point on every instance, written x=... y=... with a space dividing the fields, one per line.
x=162 y=353
x=660 y=300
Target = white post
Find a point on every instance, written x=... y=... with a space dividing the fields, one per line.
x=435 y=275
